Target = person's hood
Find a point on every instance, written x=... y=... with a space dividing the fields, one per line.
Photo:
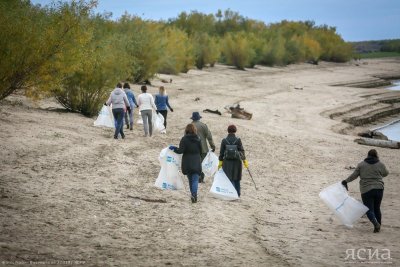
x=371 y=160
x=118 y=91
x=193 y=137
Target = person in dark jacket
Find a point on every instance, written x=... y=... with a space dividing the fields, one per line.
x=190 y=147
x=232 y=166
x=371 y=172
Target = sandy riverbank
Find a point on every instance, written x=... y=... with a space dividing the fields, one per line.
x=71 y=192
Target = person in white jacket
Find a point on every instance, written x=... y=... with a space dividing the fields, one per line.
x=146 y=107
x=119 y=103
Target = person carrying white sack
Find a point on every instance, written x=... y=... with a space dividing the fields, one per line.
x=190 y=148
x=119 y=102
x=371 y=172
x=231 y=156
x=205 y=135
x=146 y=107
x=132 y=102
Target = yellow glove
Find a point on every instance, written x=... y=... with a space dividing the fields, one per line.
x=220 y=164
x=246 y=163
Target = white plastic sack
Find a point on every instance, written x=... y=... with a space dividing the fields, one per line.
x=140 y=120
x=210 y=164
x=158 y=122
x=222 y=187
x=169 y=177
x=105 y=118
x=346 y=208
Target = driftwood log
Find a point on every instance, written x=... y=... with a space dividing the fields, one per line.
x=238 y=112
x=379 y=143
x=212 y=111
x=373 y=134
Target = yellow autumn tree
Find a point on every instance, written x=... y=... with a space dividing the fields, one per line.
x=237 y=50
x=313 y=49
x=40 y=45
x=104 y=62
x=178 y=55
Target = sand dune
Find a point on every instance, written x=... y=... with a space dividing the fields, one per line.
x=70 y=192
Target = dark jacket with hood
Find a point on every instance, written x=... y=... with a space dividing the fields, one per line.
x=232 y=167
x=190 y=147
x=371 y=172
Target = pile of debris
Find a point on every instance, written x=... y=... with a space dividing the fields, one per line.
x=238 y=112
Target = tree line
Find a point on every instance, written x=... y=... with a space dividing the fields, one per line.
x=391 y=46
x=68 y=51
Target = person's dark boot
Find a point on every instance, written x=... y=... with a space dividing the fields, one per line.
x=127 y=126
x=193 y=199
x=377 y=227
x=201 y=178
x=131 y=127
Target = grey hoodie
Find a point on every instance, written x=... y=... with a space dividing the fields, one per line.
x=118 y=99
x=371 y=174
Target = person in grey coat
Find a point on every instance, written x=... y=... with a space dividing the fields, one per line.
x=119 y=103
x=371 y=172
x=205 y=135
x=232 y=166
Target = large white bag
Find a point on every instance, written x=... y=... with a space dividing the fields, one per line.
x=169 y=176
x=222 y=187
x=105 y=118
x=210 y=164
x=158 y=122
x=346 y=208
x=140 y=120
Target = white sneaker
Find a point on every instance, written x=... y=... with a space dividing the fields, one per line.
x=163 y=131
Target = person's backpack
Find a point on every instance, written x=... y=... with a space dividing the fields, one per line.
x=231 y=150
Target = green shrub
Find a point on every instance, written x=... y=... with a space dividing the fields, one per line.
x=206 y=50
x=143 y=46
x=104 y=63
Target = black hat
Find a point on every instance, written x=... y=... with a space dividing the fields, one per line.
x=196 y=116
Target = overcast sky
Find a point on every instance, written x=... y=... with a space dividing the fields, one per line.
x=355 y=20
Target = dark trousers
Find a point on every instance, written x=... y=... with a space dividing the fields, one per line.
x=164 y=114
x=129 y=117
x=236 y=185
x=372 y=199
x=119 y=122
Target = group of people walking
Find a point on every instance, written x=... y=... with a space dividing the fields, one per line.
x=193 y=145
x=123 y=102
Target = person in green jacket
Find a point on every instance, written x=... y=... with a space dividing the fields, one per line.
x=371 y=172
x=205 y=135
